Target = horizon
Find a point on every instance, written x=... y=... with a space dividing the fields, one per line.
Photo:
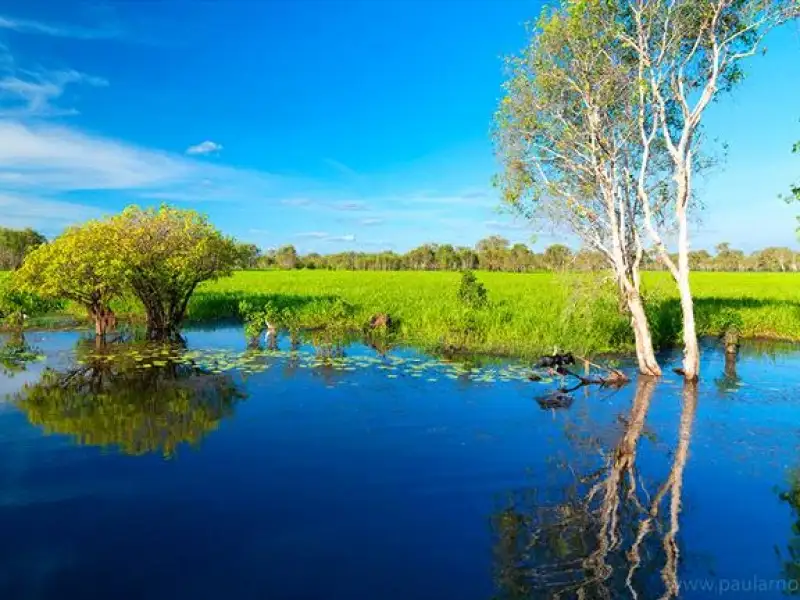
x=357 y=126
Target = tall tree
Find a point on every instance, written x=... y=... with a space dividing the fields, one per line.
x=567 y=134
x=686 y=53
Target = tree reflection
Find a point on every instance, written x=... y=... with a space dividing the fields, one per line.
x=139 y=406
x=604 y=535
x=791 y=561
x=15 y=354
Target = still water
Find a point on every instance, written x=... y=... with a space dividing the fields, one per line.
x=222 y=473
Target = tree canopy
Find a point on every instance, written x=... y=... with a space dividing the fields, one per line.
x=166 y=253
x=84 y=264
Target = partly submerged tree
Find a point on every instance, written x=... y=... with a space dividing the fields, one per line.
x=567 y=134
x=167 y=253
x=84 y=264
x=602 y=122
x=686 y=54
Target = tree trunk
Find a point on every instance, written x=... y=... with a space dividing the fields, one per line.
x=104 y=320
x=645 y=355
x=691 y=350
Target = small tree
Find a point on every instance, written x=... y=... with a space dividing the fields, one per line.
x=286 y=257
x=471 y=292
x=557 y=257
x=84 y=264
x=167 y=253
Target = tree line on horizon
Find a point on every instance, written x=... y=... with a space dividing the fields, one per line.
x=493 y=253
x=496 y=253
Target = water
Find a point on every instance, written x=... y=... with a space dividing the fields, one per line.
x=279 y=476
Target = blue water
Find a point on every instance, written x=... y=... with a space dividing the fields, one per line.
x=368 y=482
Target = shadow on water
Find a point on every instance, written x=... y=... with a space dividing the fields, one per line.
x=138 y=398
x=606 y=532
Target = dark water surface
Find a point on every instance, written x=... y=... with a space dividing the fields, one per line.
x=225 y=474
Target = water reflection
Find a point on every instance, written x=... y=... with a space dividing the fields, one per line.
x=15 y=354
x=139 y=406
x=605 y=532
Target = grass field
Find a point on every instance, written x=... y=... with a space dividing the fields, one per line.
x=527 y=313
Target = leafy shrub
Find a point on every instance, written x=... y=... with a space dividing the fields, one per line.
x=471 y=292
x=16 y=306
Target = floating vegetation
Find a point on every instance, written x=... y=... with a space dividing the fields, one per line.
x=330 y=357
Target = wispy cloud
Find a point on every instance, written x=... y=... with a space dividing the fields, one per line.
x=33 y=94
x=296 y=202
x=58 y=30
x=206 y=147
x=46 y=215
x=324 y=236
x=341 y=167
x=371 y=221
x=341 y=238
x=348 y=206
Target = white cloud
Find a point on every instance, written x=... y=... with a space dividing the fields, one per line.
x=32 y=94
x=43 y=214
x=207 y=147
x=38 y=27
x=348 y=206
x=341 y=238
x=341 y=167
x=370 y=221
x=61 y=159
x=324 y=236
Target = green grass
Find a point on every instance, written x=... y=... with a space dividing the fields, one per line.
x=527 y=313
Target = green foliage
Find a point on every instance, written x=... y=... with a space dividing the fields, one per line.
x=166 y=253
x=17 y=306
x=15 y=244
x=84 y=264
x=471 y=292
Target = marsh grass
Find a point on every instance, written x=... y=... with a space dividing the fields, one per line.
x=524 y=314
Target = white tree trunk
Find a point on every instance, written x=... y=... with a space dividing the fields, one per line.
x=691 y=350
x=645 y=354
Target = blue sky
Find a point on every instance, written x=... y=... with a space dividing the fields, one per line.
x=329 y=124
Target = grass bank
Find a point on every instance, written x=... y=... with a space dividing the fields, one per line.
x=527 y=313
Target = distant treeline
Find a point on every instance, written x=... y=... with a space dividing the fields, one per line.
x=498 y=254
x=494 y=253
